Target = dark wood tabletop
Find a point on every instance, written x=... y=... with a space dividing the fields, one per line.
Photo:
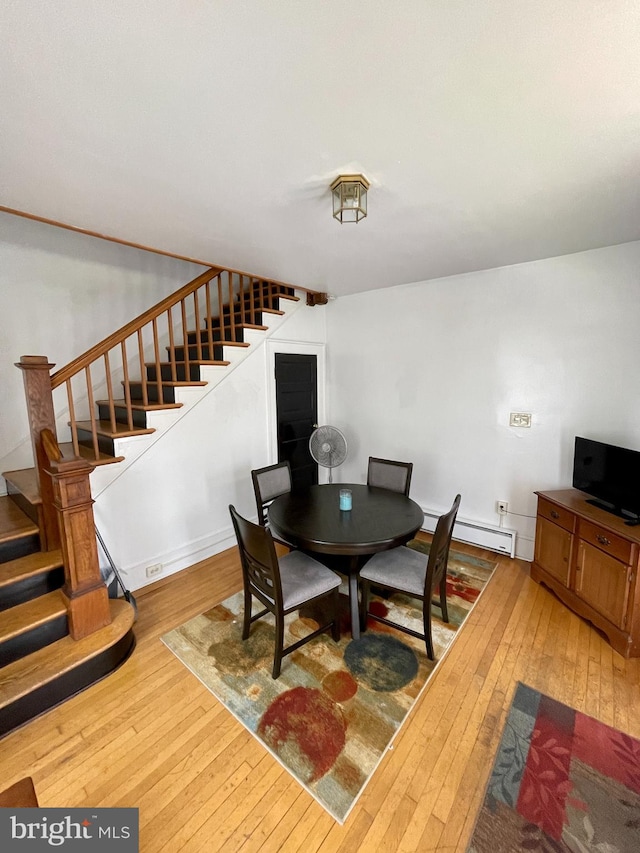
x=311 y=519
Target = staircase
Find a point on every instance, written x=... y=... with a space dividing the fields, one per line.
x=40 y=663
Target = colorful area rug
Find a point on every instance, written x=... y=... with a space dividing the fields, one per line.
x=561 y=781
x=336 y=707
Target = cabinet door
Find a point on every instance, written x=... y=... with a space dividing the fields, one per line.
x=603 y=583
x=553 y=549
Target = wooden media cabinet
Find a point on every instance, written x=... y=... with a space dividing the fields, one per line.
x=590 y=559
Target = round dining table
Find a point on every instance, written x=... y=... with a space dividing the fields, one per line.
x=379 y=519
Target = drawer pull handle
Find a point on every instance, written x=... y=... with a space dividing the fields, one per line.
x=554 y=514
x=603 y=540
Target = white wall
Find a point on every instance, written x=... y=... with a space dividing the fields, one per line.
x=429 y=372
x=61 y=293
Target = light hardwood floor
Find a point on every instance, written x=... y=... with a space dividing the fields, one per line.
x=151 y=736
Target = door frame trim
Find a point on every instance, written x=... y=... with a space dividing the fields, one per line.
x=292 y=348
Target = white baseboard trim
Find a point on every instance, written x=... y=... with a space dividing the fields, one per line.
x=178 y=559
x=501 y=539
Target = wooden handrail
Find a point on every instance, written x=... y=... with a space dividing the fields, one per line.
x=193 y=324
x=80 y=363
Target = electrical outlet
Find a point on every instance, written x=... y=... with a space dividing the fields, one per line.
x=520 y=419
x=152 y=571
x=502 y=507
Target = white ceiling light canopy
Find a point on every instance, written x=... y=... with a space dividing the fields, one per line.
x=350 y=197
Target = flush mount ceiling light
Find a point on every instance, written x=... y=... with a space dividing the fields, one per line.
x=350 y=197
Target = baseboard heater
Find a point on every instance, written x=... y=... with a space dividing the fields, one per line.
x=502 y=539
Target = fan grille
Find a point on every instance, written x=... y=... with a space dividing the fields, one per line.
x=328 y=447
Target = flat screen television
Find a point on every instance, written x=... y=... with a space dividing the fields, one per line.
x=611 y=474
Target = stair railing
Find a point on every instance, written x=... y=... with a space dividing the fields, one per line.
x=236 y=298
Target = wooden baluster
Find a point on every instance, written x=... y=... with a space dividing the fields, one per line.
x=112 y=408
x=37 y=386
x=92 y=412
x=252 y=301
x=221 y=308
x=232 y=309
x=72 y=420
x=172 y=347
x=242 y=305
x=143 y=371
x=185 y=338
x=196 y=314
x=156 y=356
x=126 y=388
x=84 y=592
x=209 y=319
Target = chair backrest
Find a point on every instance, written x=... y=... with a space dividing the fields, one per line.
x=439 y=551
x=387 y=474
x=260 y=568
x=268 y=484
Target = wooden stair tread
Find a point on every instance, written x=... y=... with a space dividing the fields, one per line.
x=170 y=383
x=88 y=453
x=26 y=482
x=30 y=614
x=216 y=328
x=140 y=406
x=25 y=567
x=45 y=665
x=192 y=361
x=105 y=428
x=205 y=343
x=14 y=524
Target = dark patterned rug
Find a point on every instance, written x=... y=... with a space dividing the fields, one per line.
x=336 y=707
x=561 y=781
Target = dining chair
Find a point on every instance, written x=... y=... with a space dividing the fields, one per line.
x=281 y=584
x=410 y=572
x=387 y=474
x=268 y=484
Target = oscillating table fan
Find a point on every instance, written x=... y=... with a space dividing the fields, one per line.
x=328 y=446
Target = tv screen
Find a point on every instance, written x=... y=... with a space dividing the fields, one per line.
x=611 y=474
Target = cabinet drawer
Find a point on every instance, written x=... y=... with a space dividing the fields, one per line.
x=608 y=542
x=557 y=514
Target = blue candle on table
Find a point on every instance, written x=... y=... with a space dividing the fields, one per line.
x=345 y=498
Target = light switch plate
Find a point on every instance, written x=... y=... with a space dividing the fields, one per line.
x=520 y=419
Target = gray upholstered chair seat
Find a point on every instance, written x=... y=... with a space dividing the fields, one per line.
x=401 y=568
x=304 y=578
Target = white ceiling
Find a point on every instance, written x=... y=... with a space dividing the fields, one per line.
x=492 y=131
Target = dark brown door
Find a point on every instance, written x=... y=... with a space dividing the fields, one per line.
x=297 y=413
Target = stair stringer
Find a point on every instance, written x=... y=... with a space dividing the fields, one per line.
x=169 y=506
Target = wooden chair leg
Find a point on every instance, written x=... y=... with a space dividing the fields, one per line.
x=277 y=656
x=443 y=599
x=246 y=621
x=335 y=627
x=364 y=604
x=426 y=622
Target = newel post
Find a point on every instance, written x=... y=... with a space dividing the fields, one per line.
x=37 y=386
x=84 y=591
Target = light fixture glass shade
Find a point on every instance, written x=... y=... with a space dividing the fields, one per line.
x=350 y=197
